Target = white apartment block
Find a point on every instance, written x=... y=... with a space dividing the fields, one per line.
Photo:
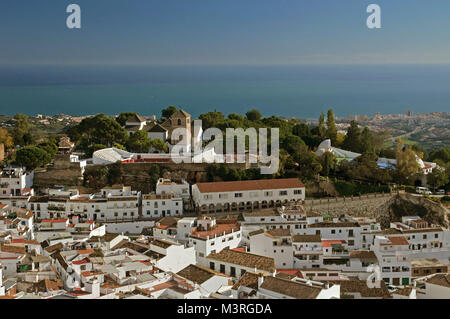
x=276 y=244
x=14 y=181
x=161 y=205
x=211 y=236
x=166 y=186
x=392 y=255
x=246 y=195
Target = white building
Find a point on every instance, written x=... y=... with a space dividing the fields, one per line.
x=166 y=186
x=161 y=205
x=392 y=255
x=436 y=286
x=276 y=244
x=236 y=263
x=15 y=181
x=211 y=236
x=227 y=196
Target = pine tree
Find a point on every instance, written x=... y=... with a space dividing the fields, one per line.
x=352 y=141
x=322 y=129
x=331 y=127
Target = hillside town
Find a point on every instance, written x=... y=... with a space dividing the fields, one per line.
x=184 y=231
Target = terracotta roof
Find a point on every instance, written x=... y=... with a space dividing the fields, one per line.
x=290 y=272
x=135 y=118
x=403 y=292
x=360 y=286
x=279 y=232
x=218 y=230
x=245 y=259
x=162 y=243
x=81 y=262
x=216 y=187
x=440 y=280
x=306 y=239
x=398 y=240
x=328 y=243
x=256 y=232
x=13 y=249
x=198 y=274
x=85 y=251
x=290 y=288
x=249 y=279
x=363 y=254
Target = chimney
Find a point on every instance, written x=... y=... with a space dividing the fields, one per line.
x=95 y=289
x=260 y=279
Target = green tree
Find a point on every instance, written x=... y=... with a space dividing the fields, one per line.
x=321 y=126
x=407 y=166
x=166 y=113
x=211 y=119
x=115 y=173
x=32 y=157
x=124 y=116
x=49 y=146
x=6 y=139
x=253 y=115
x=159 y=145
x=154 y=174
x=21 y=132
x=328 y=162
x=331 y=127
x=366 y=141
x=139 y=142
x=99 y=129
x=437 y=178
x=294 y=144
x=352 y=141
x=442 y=154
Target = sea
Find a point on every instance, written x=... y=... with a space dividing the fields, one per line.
x=301 y=91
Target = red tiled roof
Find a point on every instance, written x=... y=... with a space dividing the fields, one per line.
x=292 y=272
x=81 y=262
x=218 y=230
x=328 y=243
x=400 y=240
x=250 y=185
x=85 y=251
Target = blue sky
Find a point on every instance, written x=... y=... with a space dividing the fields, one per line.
x=160 y=32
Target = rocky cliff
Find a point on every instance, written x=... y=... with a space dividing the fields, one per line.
x=409 y=205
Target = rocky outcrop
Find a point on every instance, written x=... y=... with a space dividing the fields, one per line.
x=410 y=205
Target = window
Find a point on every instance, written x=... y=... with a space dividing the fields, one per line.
x=424 y=236
x=222 y=268
x=242 y=272
x=223 y=196
x=232 y=271
x=297 y=191
x=268 y=194
x=211 y=266
x=238 y=195
x=254 y=194
x=283 y=193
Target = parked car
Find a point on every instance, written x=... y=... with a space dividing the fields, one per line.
x=440 y=192
x=423 y=190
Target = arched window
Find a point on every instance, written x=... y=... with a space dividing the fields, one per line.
x=179 y=122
